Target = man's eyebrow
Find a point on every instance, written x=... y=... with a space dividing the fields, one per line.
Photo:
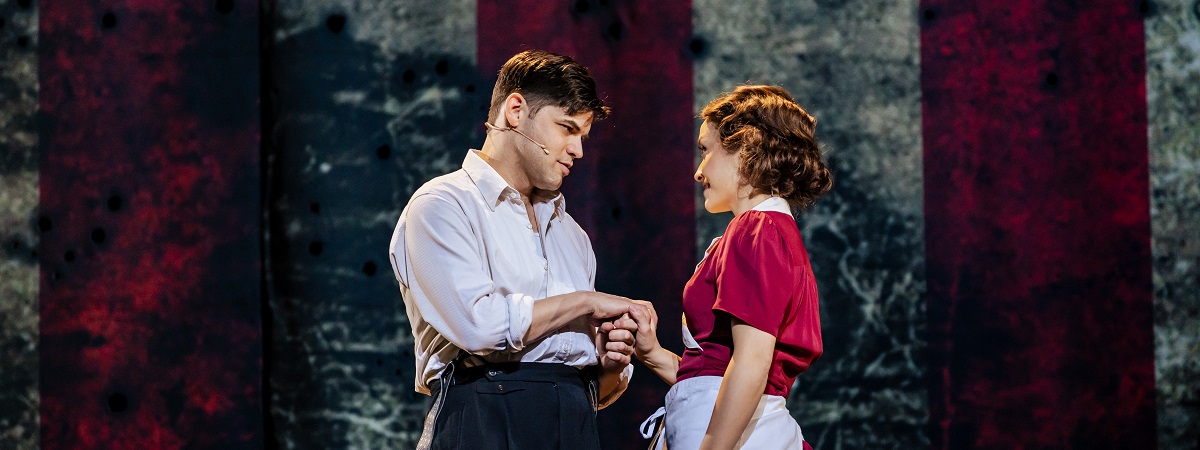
x=571 y=122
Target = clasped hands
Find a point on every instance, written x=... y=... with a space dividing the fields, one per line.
x=620 y=337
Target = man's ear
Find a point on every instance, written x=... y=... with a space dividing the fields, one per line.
x=514 y=104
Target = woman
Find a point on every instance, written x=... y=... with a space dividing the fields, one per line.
x=751 y=321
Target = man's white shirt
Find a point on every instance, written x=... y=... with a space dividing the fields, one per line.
x=471 y=266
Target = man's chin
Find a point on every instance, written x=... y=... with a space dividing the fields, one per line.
x=549 y=187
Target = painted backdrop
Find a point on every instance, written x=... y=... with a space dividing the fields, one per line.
x=196 y=199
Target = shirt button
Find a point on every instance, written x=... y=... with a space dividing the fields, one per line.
x=500 y=387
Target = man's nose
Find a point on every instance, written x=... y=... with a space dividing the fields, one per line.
x=699 y=175
x=575 y=148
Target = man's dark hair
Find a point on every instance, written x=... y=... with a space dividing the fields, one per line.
x=545 y=78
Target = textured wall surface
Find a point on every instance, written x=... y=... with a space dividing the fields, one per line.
x=366 y=100
x=1173 y=90
x=18 y=225
x=1037 y=225
x=149 y=220
x=853 y=65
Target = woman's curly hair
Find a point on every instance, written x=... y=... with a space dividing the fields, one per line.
x=779 y=155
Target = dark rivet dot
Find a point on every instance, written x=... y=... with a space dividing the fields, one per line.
x=383 y=152
x=442 y=67
x=697 y=46
x=336 y=23
x=109 y=20
x=224 y=6
x=69 y=256
x=615 y=31
x=582 y=6
x=45 y=224
x=1 y=23
x=314 y=207
x=316 y=247
x=368 y=268
x=930 y=14
x=118 y=402
x=114 y=203
x=616 y=212
x=470 y=88
x=409 y=76
x=25 y=3
x=98 y=235
x=23 y=41
x=1051 y=79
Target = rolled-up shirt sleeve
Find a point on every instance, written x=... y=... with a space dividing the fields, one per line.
x=437 y=256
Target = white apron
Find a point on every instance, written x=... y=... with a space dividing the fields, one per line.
x=689 y=408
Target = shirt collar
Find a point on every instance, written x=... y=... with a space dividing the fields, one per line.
x=775 y=204
x=494 y=189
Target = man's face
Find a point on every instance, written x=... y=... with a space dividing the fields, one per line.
x=718 y=171
x=563 y=136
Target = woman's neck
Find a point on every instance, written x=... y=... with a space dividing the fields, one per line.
x=747 y=203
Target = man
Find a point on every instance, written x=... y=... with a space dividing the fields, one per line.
x=498 y=279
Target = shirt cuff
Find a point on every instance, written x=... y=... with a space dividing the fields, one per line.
x=520 y=317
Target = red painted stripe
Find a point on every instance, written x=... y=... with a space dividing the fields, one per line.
x=633 y=191
x=1037 y=224
x=150 y=206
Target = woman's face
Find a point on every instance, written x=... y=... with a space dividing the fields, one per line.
x=717 y=173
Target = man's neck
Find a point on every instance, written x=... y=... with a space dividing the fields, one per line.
x=505 y=165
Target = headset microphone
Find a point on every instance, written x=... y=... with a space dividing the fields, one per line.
x=539 y=144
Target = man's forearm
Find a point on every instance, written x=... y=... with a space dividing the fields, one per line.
x=552 y=313
x=610 y=385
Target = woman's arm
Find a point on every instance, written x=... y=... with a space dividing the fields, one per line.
x=742 y=386
x=646 y=348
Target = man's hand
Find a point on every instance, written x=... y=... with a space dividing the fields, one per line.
x=606 y=306
x=614 y=343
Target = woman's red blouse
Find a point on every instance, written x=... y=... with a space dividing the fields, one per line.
x=758 y=272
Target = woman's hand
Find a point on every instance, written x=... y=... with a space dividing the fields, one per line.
x=646 y=347
x=645 y=341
